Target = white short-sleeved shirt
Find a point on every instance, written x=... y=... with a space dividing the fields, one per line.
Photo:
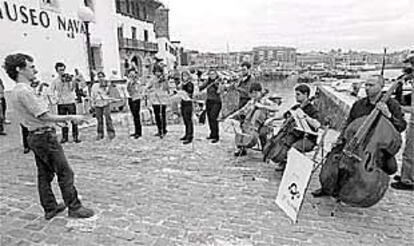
x=29 y=107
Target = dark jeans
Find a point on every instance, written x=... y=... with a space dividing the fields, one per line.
x=51 y=160
x=3 y=106
x=243 y=101
x=187 y=113
x=135 y=107
x=1 y=118
x=160 y=118
x=213 y=110
x=65 y=109
x=102 y=112
x=25 y=135
x=302 y=144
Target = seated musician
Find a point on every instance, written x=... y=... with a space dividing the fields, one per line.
x=363 y=107
x=252 y=118
x=300 y=140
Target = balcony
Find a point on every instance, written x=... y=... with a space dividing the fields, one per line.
x=134 y=44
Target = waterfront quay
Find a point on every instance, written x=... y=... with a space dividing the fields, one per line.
x=160 y=192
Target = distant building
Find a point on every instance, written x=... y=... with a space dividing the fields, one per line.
x=313 y=58
x=274 y=54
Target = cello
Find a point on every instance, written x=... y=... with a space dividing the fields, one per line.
x=276 y=146
x=352 y=172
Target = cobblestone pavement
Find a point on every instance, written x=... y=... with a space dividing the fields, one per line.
x=160 y=192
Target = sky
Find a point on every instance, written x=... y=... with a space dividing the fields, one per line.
x=319 y=25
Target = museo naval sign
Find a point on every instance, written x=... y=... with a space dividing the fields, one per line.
x=18 y=13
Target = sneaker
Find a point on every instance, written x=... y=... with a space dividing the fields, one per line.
x=63 y=140
x=240 y=152
x=59 y=208
x=397 y=178
x=209 y=138
x=280 y=167
x=319 y=193
x=81 y=213
x=99 y=137
x=402 y=186
x=183 y=138
x=7 y=122
x=187 y=141
x=215 y=140
x=77 y=140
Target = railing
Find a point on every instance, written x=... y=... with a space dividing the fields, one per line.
x=134 y=44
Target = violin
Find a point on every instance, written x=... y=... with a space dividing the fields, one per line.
x=352 y=172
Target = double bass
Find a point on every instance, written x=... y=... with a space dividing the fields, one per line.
x=352 y=172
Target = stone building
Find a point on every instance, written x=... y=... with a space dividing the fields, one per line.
x=274 y=54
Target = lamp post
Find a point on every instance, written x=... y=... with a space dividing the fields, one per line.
x=86 y=15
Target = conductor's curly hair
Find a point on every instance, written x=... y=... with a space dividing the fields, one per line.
x=14 y=61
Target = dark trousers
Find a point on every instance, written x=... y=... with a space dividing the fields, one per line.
x=135 y=107
x=187 y=113
x=25 y=135
x=160 y=117
x=243 y=101
x=213 y=110
x=302 y=144
x=51 y=160
x=3 y=106
x=1 y=118
x=65 y=109
x=101 y=113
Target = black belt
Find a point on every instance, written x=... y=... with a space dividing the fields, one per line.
x=42 y=130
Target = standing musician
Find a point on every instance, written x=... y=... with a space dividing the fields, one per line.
x=391 y=110
x=101 y=103
x=135 y=91
x=405 y=181
x=63 y=88
x=187 y=87
x=276 y=149
x=213 y=104
x=158 y=90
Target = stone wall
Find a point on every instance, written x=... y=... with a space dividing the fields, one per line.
x=331 y=107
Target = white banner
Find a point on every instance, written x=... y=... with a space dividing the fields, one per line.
x=294 y=183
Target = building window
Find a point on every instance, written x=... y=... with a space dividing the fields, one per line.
x=52 y=5
x=145 y=35
x=128 y=9
x=89 y=3
x=134 y=32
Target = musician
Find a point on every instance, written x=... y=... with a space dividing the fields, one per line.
x=187 y=87
x=135 y=90
x=2 y=115
x=301 y=141
x=34 y=114
x=259 y=108
x=63 y=88
x=390 y=110
x=243 y=87
x=213 y=104
x=158 y=90
x=101 y=103
x=405 y=181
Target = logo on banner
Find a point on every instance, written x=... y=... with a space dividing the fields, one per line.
x=294 y=183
